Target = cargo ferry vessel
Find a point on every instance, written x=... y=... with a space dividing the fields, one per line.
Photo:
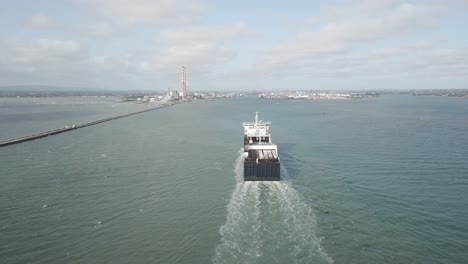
x=261 y=160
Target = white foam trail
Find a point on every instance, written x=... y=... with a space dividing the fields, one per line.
x=239 y=236
x=268 y=222
x=301 y=225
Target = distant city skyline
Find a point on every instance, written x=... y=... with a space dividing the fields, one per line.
x=241 y=45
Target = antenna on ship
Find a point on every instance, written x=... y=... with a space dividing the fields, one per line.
x=256 y=118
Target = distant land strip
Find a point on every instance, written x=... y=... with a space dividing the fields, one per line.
x=73 y=127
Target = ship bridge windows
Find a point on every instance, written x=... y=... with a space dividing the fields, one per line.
x=257 y=140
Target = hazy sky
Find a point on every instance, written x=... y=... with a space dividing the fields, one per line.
x=234 y=45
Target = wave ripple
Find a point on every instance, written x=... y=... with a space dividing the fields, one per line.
x=268 y=222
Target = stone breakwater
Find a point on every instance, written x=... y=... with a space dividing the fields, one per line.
x=73 y=127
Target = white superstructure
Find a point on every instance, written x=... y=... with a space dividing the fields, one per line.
x=261 y=161
x=257 y=136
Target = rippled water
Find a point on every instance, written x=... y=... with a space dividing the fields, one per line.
x=379 y=180
x=268 y=222
x=26 y=116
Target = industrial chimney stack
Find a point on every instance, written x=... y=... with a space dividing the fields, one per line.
x=184 y=83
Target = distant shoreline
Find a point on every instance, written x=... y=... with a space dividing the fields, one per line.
x=283 y=94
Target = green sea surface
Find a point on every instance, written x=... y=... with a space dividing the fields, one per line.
x=374 y=180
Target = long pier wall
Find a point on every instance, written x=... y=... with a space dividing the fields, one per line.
x=69 y=128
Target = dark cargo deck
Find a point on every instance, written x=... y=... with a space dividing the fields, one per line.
x=261 y=171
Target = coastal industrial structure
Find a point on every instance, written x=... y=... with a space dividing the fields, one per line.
x=184 y=82
x=171 y=98
x=300 y=95
x=261 y=161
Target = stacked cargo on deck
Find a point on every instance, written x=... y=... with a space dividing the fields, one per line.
x=261 y=161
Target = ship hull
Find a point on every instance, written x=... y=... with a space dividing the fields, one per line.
x=261 y=171
x=261 y=161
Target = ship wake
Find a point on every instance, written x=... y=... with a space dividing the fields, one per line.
x=268 y=222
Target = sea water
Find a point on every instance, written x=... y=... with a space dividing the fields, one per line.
x=375 y=180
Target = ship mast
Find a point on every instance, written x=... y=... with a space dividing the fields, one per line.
x=256 y=118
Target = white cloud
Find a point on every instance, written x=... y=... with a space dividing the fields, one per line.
x=42 y=60
x=99 y=29
x=41 y=21
x=94 y=30
x=39 y=54
x=60 y=62
x=345 y=26
x=201 y=48
x=404 y=62
x=386 y=52
x=421 y=45
x=204 y=33
x=151 y=11
x=453 y=61
x=150 y=40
